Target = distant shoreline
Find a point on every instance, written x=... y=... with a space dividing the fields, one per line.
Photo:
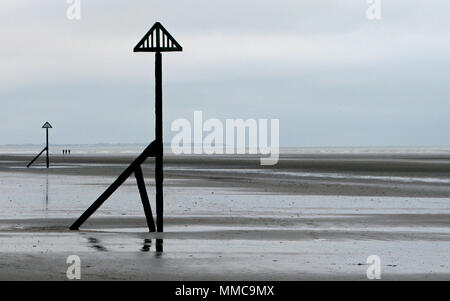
x=131 y=148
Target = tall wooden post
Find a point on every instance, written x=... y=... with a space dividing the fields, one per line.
x=159 y=176
x=157 y=40
x=48 y=161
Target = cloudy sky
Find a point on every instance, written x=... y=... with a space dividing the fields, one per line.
x=332 y=76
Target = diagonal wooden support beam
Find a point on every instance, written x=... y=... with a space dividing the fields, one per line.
x=35 y=158
x=148 y=152
x=144 y=198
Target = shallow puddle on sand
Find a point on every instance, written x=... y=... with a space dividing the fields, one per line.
x=44 y=196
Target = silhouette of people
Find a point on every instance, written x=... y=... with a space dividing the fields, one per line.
x=69 y=152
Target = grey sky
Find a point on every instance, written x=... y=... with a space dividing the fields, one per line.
x=332 y=77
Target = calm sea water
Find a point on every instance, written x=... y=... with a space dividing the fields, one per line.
x=132 y=149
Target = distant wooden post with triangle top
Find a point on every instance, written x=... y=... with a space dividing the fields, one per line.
x=46 y=126
x=157 y=40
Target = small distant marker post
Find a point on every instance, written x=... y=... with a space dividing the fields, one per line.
x=157 y=40
x=46 y=126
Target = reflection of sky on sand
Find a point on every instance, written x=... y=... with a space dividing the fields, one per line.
x=211 y=229
x=68 y=196
x=405 y=179
x=218 y=229
x=67 y=165
x=201 y=257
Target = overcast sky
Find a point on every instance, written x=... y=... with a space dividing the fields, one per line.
x=332 y=76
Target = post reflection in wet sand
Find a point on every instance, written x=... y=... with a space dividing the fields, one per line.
x=46 y=194
x=147 y=245
x=96 y=244
x=159 y=246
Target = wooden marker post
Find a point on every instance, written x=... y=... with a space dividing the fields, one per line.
x=157 y=40
x=46 y=126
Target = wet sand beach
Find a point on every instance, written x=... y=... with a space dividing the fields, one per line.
x=310 y=217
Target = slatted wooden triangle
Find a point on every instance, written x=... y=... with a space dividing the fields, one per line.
x=47 y=126
x=157 y=39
